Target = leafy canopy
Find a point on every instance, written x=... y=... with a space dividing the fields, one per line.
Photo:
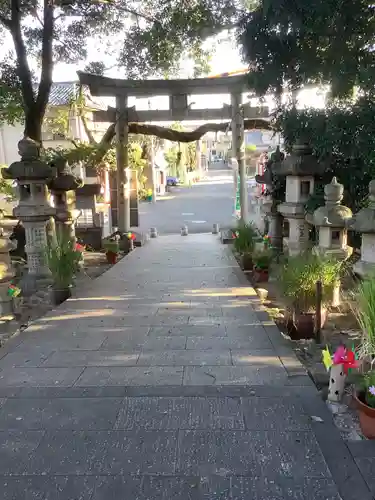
x=291 y=43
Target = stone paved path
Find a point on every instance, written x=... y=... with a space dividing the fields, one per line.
x=164 y=380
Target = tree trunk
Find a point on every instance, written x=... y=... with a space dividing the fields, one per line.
x=33 y=125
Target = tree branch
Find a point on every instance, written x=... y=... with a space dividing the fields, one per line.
x=47 y=58
x=24 y=72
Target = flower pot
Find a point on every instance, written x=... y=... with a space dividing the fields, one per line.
x=260 y=275
x=247 y=263
x=60 y=295
x=304 y=325
x=366 y=416
x=111 y=257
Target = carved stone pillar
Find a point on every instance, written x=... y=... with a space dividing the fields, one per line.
x=364 y=222
x=34 y=209
x=238 y=146
x=63 y=190
x=123 y=197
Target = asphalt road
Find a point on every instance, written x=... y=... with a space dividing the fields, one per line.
x=199 y=207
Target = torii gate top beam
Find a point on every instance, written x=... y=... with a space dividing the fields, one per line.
x=110 y=87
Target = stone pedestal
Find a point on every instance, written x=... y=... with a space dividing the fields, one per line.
x=364 y=222
x=34 y=209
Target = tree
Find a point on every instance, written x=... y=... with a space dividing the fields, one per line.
x=52 y=31
x=11 y=109
x=293 y=43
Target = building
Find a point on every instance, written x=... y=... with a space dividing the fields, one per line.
x=61 y=97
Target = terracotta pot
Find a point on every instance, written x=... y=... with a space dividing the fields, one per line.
x=366 y=416
x=304 y=325
x=111 y=257
x=260 y=275
x=247 y=262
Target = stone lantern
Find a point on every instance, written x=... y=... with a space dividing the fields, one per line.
x=34 y=209
x=364 y=222
x=63 y=190
x=331 y=222
x=270 y=204
x=299 y=167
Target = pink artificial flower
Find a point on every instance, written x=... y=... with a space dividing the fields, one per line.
x=339 y=356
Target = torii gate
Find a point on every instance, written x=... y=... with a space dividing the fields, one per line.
x=179 y=110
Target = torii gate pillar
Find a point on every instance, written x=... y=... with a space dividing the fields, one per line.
x=238 y=145
x=123 y=174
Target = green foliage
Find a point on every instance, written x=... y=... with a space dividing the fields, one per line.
x=246 y=237
x=11 y=109
x=367 y=388
x=343 y=137
x=262 y=259
x=294 y=43
x=364 y=311
x=6 y=187
x=62 y=259
x=111 y=246
x=298 y=275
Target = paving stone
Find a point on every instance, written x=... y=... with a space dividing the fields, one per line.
x=92 y=358
x=131 y=338
x=39 y=377
x=139 y=452
x=87 y=340
x=256 y=358
x=47 y=487
x=164 y=343
x=69 y=453
x=367 y=467
x=152 y=375
x=281 y=413
x=244 y=488
x=160 y=413
x=188 y=331
x=16 y=449
x=184 y=357
x=234 y=375
x=191 y=488
x=254 y=453
x=60 y=413
x=118 y=487
x=34 y=358
x=229 y=342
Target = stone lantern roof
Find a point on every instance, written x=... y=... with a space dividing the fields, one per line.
x=301 y=162
x=364 y=220
x=333 y=213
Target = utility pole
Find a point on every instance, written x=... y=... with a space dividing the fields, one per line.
x=238 y=147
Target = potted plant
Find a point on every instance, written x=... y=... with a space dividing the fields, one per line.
x=112 y=249
x=365 y=401
x=62 y=259
x=364 y=309
x=244 y=244
x=297 y=279
x=262 y=262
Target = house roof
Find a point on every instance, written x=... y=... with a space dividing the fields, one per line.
x=62 y=94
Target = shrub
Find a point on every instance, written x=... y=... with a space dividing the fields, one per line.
x=246 y=237
x=298 y=277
